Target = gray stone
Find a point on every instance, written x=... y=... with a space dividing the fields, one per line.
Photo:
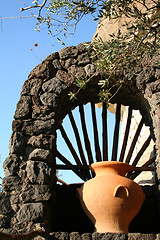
x=140 y=81
x=149 y=73
x=35 y=193
x=86 y=236
x=11 y=165
x=49 y=99
x=56 y=64
x=59 y=235
x=68 y=52
x=69 y=62
x=38 y=126
x=83 y=59
x=4 y=221
x=65 y=77
x=75 y=236
x=109 y=236
x=11 y=184
x=43 y=71
x=38 y=172
x=76 y=72
x=157 y=74
x=82 y=47
x=15 y=202
x=36 y=88
x=23 y=107
x=90 y=69
x=5 y=206
x=17 y=142
x=156 y=60
x=152 y=88
x=156 y=98
x=53 y=85
x=141 y=236
x=52 y=56
x=31 y=86
x=31 y=212
x=42 y=141
x=40 y=155
x=17 y=125
x=42 y=112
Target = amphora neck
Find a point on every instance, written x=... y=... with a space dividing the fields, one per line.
x=111 y=167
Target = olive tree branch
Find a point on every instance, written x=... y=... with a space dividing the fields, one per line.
x=4 y=18
x=35 y=6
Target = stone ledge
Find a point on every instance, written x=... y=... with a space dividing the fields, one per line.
x=102 y=236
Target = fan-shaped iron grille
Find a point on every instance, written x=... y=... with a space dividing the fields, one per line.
x=82 y=160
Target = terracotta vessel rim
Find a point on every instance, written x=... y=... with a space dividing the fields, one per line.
x=110 y=163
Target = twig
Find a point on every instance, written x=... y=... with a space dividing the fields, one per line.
x=3 y=18
x=35 y=6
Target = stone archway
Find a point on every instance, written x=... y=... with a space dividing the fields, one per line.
x=29 y=185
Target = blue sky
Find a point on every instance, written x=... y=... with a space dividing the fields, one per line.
x=17 y=37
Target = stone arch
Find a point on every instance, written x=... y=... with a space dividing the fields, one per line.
x=30 y=167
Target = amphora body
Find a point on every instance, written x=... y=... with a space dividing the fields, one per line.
x=110 y=199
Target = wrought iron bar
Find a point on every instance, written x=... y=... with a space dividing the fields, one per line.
x=69 y=144
x=128 y=158
x=125 y=140
x=104 y=133
x=68 y=164
x=85 y=134
x=79 y=144
x=149 y=162
x=142 y=150
x=96 y=138
x=116 y=133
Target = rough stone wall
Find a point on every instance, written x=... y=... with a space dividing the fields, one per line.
x=29 y=195
x=104 y=236
x=28 y=189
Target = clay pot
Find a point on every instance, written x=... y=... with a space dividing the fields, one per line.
x=109 y=199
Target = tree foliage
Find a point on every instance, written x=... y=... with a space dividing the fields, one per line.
x=122 y=52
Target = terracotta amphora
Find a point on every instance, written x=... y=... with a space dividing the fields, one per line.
x=110 y=199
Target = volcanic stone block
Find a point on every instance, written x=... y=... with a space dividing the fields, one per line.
x=77 y=72
x=53 y=85
x=64 y=77
x=49 y=99
x=31 y=212
x=42 y=141
x=38 y=126
x=4 y=221
x=83 y=59
x=32 y=86
x=90 y=69
x=140 y=236
x=35 y=193
x=23 y=107
x=82 y=47
x=40 y=155
x=52 y=56
x=44 y=70
x=68 y=52
x=75 y=236
x=59 y=235
x=5 y=206
x=69 y=62
x=38 y=172
x=108 y=236
x=11 y=165
x=12 y=183
x=17 y=142
x=56 y=64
